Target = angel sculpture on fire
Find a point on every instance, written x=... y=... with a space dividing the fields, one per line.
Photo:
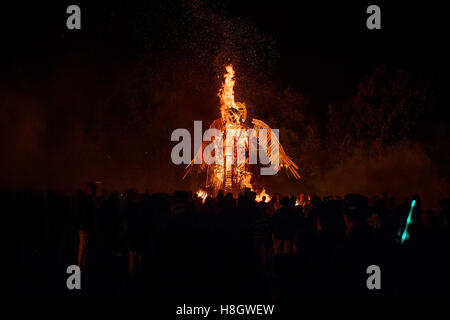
x=229 y=174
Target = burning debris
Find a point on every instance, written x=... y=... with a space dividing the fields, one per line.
x=233 y=172
x=202 y=194
x=263 y=196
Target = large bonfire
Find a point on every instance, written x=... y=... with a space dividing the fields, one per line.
x=232 y=176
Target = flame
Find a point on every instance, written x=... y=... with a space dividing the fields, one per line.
x=303 y=200
x=202 y=194
x=259 y=196
x=233 y=113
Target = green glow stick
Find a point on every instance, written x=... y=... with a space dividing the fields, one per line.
x=405 y=234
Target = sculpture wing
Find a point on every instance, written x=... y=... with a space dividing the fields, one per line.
x=284 y=160
x=217 y=124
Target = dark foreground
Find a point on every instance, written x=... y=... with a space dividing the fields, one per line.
x=177 y=246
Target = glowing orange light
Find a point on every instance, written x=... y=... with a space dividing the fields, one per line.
x=259 y=196
x=202 y=194
x=227 y=175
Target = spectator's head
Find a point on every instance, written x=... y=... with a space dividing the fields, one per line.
x=285 y=201
x=445 y=204
x=113 y=198
x=132 y=195
x=91 y=188
x=429 y=220
x=292 y=201
x=355 y=210
x=178 y=195
x=330 y=216
x=51 y=194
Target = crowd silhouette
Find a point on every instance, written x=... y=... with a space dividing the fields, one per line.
x=181 y=245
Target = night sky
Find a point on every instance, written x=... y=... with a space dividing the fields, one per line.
x=100 y=103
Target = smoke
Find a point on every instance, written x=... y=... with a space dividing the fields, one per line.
x=398 y=171
x=97 y=115
x=22 y=128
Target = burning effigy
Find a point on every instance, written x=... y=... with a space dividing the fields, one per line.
x=230 y=174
